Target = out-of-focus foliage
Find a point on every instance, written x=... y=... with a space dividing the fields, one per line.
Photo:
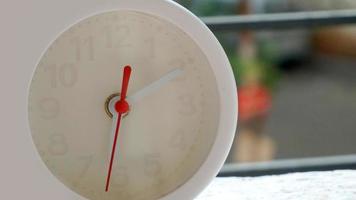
x=210 y=7
x=262 y=64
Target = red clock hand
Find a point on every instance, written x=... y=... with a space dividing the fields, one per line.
x=121 y=108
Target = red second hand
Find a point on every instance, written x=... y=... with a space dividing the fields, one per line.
x=121 y=107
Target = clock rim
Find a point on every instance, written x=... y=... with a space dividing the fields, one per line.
x=207 y=42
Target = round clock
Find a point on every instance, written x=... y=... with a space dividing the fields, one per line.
x=129 y=100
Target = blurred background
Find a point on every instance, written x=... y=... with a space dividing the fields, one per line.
x=297 y=86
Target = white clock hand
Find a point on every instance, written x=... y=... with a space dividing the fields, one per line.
x=139 y=95
x=154 y=86
x=112 y=133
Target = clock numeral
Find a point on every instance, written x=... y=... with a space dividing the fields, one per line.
x=120 y=177
x=49 y=108
x=151 y=47
x=94 y=194
x=179 y=63
x=116 y=35
x=58 y=145
x=152 y=165
x=178 y=140
x=84 y=47
x=65 y=75
x=86 y=163
x=188 y=107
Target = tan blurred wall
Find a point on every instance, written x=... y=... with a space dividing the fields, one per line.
x=340 y=40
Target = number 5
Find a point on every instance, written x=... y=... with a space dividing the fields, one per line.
x=152 y=165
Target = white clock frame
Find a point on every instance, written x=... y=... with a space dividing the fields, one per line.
x=29 y=27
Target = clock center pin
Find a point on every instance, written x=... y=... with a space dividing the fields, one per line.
x=112 y=105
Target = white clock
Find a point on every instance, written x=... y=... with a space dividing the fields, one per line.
x=112 y=99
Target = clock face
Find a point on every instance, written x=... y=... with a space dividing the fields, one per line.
x=171 y=126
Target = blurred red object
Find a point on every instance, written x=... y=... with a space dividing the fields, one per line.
x=254 y=101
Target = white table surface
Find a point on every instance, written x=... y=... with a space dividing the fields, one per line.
x=332 y=185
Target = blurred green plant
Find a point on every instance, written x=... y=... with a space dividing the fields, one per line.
x=263 y=65
x=210 y=7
